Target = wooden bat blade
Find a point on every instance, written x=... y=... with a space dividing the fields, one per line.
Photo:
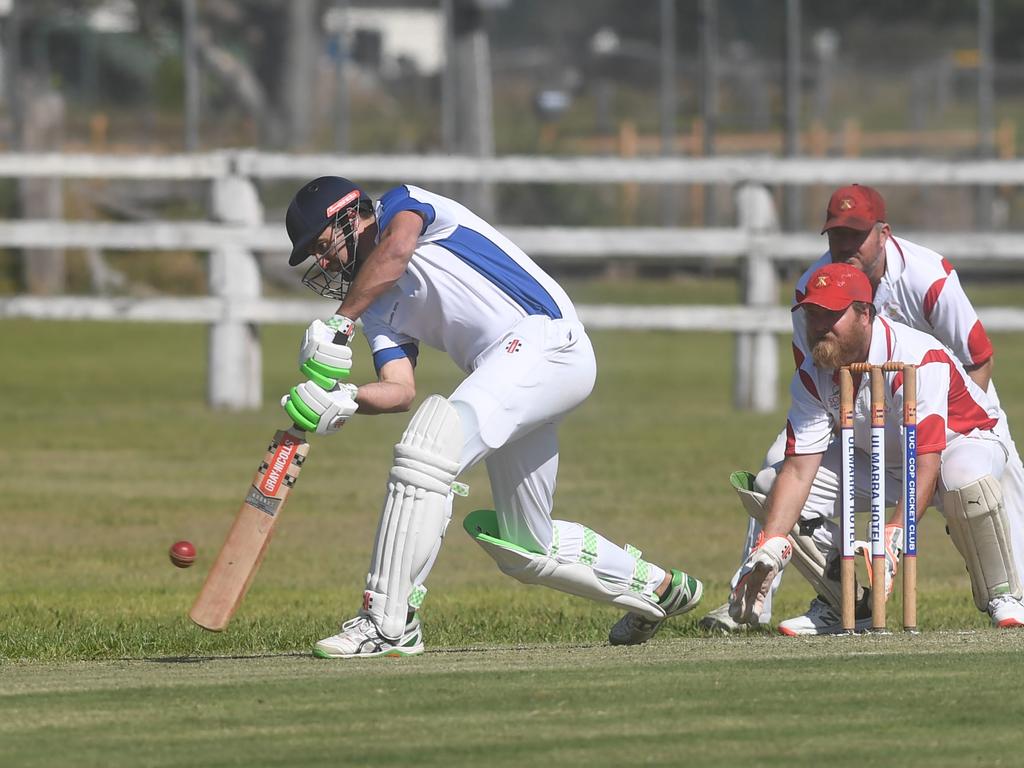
x=240 y=556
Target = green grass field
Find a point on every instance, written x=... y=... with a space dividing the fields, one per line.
x=111 y=455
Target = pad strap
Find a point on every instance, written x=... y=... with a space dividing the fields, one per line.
x=641 y=570
x=576 y=578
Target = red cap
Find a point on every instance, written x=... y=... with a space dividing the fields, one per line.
x=836 y=286
x=854 y=206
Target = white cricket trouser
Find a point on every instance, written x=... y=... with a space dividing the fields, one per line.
x=1012 y=483
x=966 y=459
x=510 y=407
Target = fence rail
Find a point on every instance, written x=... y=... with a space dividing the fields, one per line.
x=733 y=170
x=648 y=243
x=236 y=230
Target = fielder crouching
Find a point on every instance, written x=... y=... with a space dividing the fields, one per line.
x=959 y=456
x=416 y=267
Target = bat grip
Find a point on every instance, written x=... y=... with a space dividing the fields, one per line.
x=339 y=338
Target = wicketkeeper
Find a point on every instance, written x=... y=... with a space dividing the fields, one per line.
x=913 y=285
x=960 y=456
x=418 y=268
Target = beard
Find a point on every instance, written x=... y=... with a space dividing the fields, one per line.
x=831 y=351
x=827 y=353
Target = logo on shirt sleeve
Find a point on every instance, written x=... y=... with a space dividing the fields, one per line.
x=513 y=346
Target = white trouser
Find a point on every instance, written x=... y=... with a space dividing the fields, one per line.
x=1012 y=483
x=510 y=408
x=966 y=459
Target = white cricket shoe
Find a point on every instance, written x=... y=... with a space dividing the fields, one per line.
x=719 y=620
x=359 y=637
x=820 y=619
x=1006 y=611
x=684 y=592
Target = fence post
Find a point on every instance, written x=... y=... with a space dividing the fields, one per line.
x=234 y=377
x=44 y=271
x=756 y=364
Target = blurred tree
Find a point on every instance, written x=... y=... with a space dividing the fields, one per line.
x=259 y=54
x=239 y=44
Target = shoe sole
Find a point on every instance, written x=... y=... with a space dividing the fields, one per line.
x=838 y=631
x=393 y=653
x=1009 y=624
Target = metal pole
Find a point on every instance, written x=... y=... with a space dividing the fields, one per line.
x=341 y=114
x=449 y=137
x=793 y=80
x=986 y=106
x=474 y=102
x=709 y=92
x=191 y=66
x=12 y=74
x=668 y=104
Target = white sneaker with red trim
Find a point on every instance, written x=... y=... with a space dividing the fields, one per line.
x=819 y=619
x=1006 y=611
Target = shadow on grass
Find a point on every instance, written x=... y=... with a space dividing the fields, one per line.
x=202 y=659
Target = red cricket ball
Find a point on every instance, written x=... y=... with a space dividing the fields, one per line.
x=183 y=554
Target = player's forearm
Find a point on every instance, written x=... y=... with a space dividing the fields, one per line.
x=927 y=476
x=384 y=397
x=927 y=479
x=375 y=278
x=384 y=265
x=982 y=374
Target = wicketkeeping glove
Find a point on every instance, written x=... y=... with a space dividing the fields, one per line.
x=314 y=409
x=893 y=540
x=746 y=603
x=323 y=361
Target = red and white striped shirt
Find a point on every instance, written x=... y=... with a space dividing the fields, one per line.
x=920 y=289
x=949 y=403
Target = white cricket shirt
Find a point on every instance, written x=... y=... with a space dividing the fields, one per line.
x=465 y=285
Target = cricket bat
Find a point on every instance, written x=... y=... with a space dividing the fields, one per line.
x=247 y=541
x=243 y=550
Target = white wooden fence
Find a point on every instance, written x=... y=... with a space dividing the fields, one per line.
x=237 y=229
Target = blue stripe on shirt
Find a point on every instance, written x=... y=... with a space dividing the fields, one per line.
x=500 y=268
x=383 y=356
x=395 y=201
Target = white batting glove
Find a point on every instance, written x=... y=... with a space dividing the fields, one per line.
x=893 y=540
x=746 y=603
x=320 y=358
x=314 y=409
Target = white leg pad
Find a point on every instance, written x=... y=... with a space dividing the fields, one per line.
x=808 y=560
x=576 y=578
x=415 y=514
x=979 y=529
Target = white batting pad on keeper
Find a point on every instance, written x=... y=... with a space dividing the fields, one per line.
x=416 y=511
x=807 y=558
x=576 y=578
x=980 y=531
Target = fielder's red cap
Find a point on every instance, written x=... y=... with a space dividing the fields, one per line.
x=836 y=286
x=854 y=206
